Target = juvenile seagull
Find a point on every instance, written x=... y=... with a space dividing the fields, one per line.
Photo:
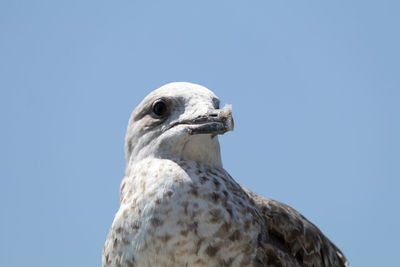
x=179 y=207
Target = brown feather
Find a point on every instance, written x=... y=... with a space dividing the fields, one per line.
x=290 y=239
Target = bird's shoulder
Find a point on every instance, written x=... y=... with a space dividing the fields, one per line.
x=290 y=239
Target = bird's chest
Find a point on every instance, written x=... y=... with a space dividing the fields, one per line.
x=178 y=213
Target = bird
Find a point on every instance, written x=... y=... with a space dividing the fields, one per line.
x=180 y=207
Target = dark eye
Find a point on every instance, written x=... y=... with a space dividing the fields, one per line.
x=160 y=108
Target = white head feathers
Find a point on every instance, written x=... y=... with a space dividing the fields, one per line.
x=178 y=120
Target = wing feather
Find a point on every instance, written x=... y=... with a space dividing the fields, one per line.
x=290 y=239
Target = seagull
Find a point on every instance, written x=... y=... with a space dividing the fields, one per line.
x=180 y=207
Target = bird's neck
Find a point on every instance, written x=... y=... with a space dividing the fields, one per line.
x=202 y=148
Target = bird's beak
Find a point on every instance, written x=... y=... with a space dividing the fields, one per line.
x=218 y=122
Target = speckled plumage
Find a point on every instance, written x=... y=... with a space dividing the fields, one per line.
x=179 y=207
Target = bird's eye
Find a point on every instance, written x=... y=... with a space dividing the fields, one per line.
x=160 y=108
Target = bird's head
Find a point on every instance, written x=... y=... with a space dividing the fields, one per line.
x=178 y=120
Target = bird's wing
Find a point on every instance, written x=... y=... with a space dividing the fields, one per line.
x=292 y=240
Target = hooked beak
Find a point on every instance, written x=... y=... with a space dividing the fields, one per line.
x=218 y=122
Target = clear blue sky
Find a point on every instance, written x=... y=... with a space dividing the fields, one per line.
x=315 y=89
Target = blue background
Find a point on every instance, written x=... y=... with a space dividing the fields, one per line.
x=315 y=93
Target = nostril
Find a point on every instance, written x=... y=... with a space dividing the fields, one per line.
x=213 y=114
